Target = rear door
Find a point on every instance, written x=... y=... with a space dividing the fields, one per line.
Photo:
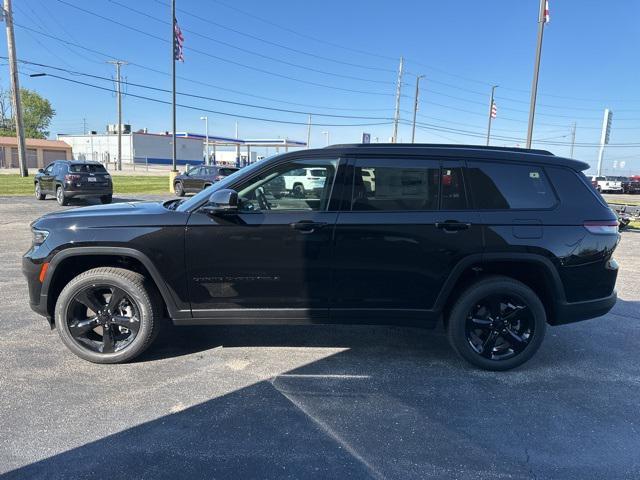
x=404 y=226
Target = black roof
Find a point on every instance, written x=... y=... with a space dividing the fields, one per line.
x=479 y=152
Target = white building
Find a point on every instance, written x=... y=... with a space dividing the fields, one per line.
x=141 y=147
x=156 y=148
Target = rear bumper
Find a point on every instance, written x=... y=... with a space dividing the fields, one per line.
x=97 y=192
x=569 y=312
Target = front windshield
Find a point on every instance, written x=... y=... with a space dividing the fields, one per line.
x=204 y=194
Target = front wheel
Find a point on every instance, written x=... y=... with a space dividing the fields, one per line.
x=38 y=192
x=179 y=189
x=497 y=323
x=106 y=199
x=107 y=315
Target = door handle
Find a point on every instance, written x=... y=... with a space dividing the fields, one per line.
x=307 y=226
x=452 y=226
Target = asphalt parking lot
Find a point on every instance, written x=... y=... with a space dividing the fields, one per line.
x=315 y=402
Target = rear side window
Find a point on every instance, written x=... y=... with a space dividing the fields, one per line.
x=87 y=168
x=226 y=171
x=503 y=186
x=395 y=185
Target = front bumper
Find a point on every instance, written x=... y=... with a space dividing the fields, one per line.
x=37 y=297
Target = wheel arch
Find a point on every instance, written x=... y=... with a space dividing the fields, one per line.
x=73 y=261
x=535 y=271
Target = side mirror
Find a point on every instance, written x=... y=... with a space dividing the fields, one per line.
x=41 y=170
x=222 y=202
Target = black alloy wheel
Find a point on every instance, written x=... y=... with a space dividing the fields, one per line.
x=179 y=189
x=497 y=323
x=108 y=315
x=499 y=327
x=103 y=318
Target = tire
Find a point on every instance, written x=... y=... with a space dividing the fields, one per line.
x=38 y=193
x=298 y=190
x=469 y=330
x=179 y=189
x=144 y=304
x=106 y=199
x=60 y=198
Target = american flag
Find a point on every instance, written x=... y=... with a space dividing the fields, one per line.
x=494 y=110
x=179 y=40
x=546 y=11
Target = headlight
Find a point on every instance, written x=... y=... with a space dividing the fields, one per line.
x=39 y=236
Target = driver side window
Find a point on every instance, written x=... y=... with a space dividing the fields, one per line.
x=49 y=169
x=295 y=185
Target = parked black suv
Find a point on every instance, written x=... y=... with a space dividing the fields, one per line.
x=199 y=178
x=495 y=242
x=68 y=179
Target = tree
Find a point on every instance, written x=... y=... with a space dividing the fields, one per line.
x=36 y=113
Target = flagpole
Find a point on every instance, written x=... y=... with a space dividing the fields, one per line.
x=493 y=89
x=173 y=78
x=534 y=86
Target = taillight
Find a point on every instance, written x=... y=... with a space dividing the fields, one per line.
x=71 y=178
x=606 y=227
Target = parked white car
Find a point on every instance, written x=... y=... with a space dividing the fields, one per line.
x=607 y=184
x=303 y=180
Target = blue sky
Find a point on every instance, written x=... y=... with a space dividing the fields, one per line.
x=462 y=47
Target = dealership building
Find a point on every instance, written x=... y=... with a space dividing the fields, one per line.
x=143 y=147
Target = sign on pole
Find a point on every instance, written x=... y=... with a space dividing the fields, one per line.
x=366 y=137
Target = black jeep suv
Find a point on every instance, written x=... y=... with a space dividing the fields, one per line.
x=495 y=242
x=67 y=179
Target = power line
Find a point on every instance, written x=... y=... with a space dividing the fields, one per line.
x=201 y=97
x=222 y=59
x=269 y=42
x=187 y=79
x=200 y=109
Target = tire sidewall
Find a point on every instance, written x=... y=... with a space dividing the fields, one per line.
x=60 y=196
x=458 y=316
x=179 y=189
x=138 y=294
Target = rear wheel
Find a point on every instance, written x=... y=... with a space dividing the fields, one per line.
x=60 y=198
x=497 y=323
x=38 y=192
x=106 y=198
x=107 y=315
x=179 y=189
x=298 y=190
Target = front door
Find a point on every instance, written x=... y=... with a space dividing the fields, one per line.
x=192 y=180
x=406 y=225
x=271 y=260
x=46 y=179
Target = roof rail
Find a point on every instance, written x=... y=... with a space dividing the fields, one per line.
x=442 y=145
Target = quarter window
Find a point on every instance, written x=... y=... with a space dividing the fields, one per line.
x=501 y=186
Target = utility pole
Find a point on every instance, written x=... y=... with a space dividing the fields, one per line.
x=396 y=117
x=542 y=19
x=573 y=139
x=84 y=126
x=15 y=89
x=237 y=148
x=326 y=134
x=118 y=64
x=309 y=132
x=415 y=108
x=206 y=139
x=493 y=90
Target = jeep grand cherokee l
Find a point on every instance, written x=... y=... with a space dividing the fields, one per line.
x=496 y=243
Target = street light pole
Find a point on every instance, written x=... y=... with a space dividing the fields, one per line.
x=118 y=64
x=542 y=19
x=415 y=108
x=493 y=89
x=206 y=139
x=396 y=116
x=174 y=152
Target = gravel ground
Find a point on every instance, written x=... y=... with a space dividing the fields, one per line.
x=315 y=402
